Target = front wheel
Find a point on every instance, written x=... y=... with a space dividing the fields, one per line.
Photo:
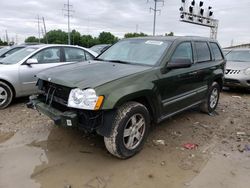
x=6 y=95
x=212 y=99
x=130 y=130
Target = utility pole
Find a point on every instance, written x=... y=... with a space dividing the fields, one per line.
x=69 y=11
x=155 y=10
x=214 y=30
x=45 y=31
x=38 y=27
x=6 y=35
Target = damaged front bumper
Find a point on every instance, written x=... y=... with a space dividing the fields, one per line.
x=67 y=119
x=90 y=121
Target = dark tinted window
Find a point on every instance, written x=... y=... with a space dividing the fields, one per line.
x=183 y=51
x=203 y=52
x=216 y=51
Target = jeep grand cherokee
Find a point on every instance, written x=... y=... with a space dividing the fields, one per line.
x=134 y=84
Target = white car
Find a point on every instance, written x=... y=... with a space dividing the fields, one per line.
x=17 y=71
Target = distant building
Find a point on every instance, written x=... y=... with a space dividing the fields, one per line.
x=240 y=46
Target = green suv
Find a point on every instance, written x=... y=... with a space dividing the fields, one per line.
x=134 y=84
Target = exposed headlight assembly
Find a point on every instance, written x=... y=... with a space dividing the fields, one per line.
x=85 y=99
x=247 y=71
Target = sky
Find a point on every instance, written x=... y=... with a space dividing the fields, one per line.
x=19 y=18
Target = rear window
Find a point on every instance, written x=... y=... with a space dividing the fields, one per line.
x=203 y=52
x=216 y=50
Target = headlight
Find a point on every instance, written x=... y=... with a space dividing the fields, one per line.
x=247 y=71
x=85 y=99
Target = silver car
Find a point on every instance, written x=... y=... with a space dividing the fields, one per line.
x=8 y=50
x=17 y=71
x=238 y=68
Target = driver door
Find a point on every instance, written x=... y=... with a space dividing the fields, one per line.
x=46 y=58
x=178 y=86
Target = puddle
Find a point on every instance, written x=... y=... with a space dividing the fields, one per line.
x=82 y=161
x=18 y=160
x=5 y=136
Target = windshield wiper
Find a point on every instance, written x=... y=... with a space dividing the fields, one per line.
x=98 y=59
x=119 y=61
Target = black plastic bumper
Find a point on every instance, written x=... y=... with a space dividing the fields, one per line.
x=101 y=122
x=67 y=119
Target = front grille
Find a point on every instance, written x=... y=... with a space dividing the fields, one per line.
x=231 y=71
x=55 y=94
x=61 y=92
x=233 y=81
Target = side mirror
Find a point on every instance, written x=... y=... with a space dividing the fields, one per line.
x=179 y=63
x=31 y=61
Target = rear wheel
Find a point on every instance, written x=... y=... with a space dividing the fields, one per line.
x=130 y=130
x=212 y=99
x=6 y=95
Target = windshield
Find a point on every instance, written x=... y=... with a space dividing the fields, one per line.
x=225 y=52
x=4 y=50
x=145 y=52
x=243 y=56
x=18 y=56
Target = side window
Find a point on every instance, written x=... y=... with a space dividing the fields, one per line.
x=216 y=51
x=203 y=52
x=89 y=56
x=74 y=54
x=49 y=55
x=183 y=51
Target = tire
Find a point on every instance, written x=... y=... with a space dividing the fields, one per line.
x=130 y=130
x=211 y=102
x=6 y=95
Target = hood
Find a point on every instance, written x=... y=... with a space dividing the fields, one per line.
x=89 y=74
x=237 y=65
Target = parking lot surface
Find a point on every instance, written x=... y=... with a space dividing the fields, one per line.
x=36 y=153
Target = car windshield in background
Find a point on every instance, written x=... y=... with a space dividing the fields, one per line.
x=18 y=56
x=145 y=52
x=98 y=48
x=225 y=52
x=243 y=56
x=4 y=50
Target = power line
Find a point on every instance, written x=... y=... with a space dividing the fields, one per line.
x=155 y=10
x=68 y=8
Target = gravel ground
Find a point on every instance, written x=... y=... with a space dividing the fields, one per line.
x=35 y=153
